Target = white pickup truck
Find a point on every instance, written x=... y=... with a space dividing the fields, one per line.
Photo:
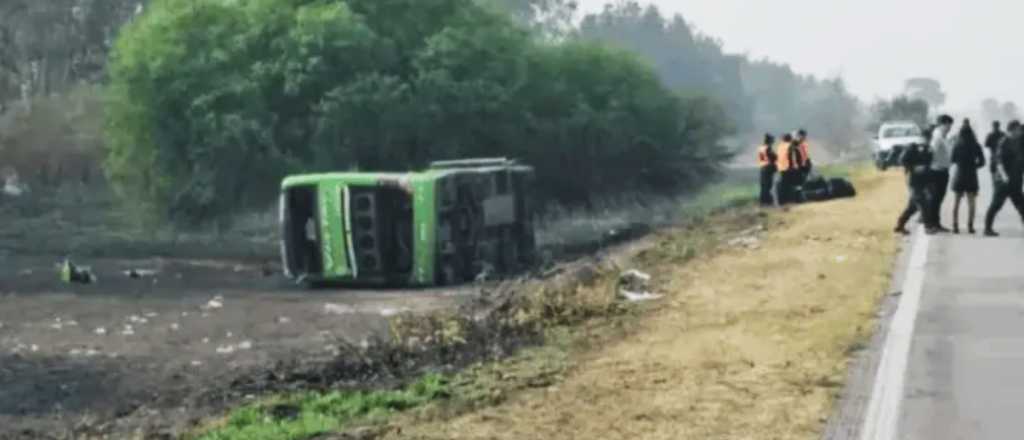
x=892 y=139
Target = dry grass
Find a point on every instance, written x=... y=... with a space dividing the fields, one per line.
x=749 y=343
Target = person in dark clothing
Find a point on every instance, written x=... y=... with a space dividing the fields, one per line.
x=788 y=163
x=916 y=161
x=806 y=166
x=967 y=157
x=995 y=137
x=1007 y=177
x=766 y=160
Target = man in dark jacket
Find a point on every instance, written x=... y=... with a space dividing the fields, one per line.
x=995 y=137
x=916 y=161
x=1007 y=175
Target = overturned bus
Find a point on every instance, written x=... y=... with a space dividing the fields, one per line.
x=446 y=225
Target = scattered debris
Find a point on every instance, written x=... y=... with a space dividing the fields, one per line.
x=86 y=353
x=638 y=296
x=140 y=273
x=216 y=303
x=748 y=241
x=388 y=312
x=634 y=280
x=634 y=286
x=230 y=348
x=338 y=309
x=69 y=273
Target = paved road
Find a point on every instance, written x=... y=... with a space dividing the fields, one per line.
x=952 y=361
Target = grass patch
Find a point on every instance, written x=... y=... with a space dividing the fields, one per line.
x=304 y=415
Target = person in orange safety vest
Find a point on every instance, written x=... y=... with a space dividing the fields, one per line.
x=805 y=157
x=788 y=164
x=766 y=159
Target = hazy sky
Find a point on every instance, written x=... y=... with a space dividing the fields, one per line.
x=875 y=44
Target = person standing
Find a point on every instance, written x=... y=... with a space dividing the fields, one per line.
x=968 y=157
x=805 y=156
x=766 y=160
x=995 y=137
x=788 y=164
x=1007 y=176
x=940 y=146
x=916 y=161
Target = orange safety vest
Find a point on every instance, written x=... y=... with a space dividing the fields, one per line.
x=805 y=158
x=782 y=151
x=762 y=156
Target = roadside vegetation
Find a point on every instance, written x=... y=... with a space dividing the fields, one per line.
x=301 y=416
x=762 y=312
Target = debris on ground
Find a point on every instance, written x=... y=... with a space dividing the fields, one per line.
x=140 y=273
x=216 y=303
x=338 y=309
x=638 y=296
x=231 y=348
x=634 y=286
x=389 y=312
x=69 y=273
x=748 y=238
x=75 y=352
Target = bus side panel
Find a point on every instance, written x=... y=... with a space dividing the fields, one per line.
x=425 y=221
x=332 y=230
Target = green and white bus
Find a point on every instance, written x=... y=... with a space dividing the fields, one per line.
x=446 y=225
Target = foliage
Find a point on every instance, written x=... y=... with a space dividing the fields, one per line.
x=993 y=110
x=785 y=101
x=304 y=415
x=900 y=108
x=210 y=102
x=926 y=89
x=54 y=140
x=684 y=59
x=50 y=46
x=757 y=96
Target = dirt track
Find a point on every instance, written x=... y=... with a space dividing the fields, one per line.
x=90 y=352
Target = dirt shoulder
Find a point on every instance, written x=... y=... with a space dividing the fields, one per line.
x=752 y=340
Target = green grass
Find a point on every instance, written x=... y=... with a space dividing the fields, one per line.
x=301 y=416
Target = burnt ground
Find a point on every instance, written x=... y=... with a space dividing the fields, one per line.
x=208 y=328
x=72 y=355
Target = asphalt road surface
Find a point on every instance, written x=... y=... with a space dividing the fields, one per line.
x=949 y=362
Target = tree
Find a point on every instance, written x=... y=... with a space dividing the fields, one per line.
x=927 y=89
x=211 y=103
x=685 y=60
x=900 y=108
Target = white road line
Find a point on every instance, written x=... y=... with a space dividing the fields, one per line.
x=883 y=413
